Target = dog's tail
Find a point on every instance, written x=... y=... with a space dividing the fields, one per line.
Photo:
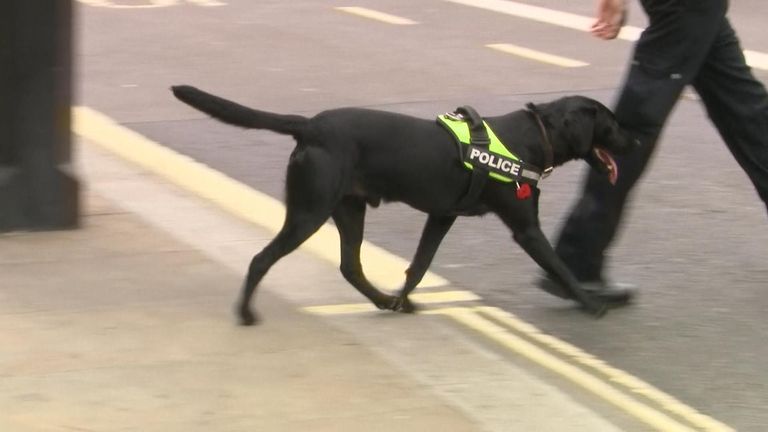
x=235 y=114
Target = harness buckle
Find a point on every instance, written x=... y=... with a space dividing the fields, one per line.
x=546 y=172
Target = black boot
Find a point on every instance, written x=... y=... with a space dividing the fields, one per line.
x=616 y=294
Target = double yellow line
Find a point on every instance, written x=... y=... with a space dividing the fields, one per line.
x=626 y=392
x=583 y=369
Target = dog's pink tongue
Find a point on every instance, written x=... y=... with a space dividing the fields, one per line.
x=614 y=174
x=613 y=169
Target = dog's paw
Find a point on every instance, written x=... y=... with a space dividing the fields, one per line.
x=408 y=307
x=404 y=305
x=246 y=317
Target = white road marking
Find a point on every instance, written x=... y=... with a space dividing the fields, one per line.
x=115 y=4
x=755 y=59
x=537 y=55
x=208 y=3
x=535 y=13
x=376 y=15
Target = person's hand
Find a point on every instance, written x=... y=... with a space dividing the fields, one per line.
x=611 y=15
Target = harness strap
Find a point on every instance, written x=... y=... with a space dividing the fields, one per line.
x=485 y=156
x=476 y=184
x=478 y=136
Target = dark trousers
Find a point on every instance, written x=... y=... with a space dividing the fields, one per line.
x=688 y=42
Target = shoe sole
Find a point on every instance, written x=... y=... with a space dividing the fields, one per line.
x=617 y=294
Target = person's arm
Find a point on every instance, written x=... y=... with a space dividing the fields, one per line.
x=611 y=15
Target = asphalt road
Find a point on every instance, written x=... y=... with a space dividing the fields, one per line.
x=696 y=234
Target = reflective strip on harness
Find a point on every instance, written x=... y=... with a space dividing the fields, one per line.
x=501 y=164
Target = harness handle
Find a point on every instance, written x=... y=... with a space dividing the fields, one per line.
x=477 y=133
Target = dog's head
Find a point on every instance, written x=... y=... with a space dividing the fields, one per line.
x=587 y=130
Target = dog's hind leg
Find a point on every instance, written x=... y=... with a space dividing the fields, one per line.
x=291 y=236
x=433 y=233
x=349 y=217
x=311 y=195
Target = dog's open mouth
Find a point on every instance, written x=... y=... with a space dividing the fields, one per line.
x=608 y=163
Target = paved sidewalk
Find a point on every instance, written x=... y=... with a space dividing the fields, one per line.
x=117 y=327
x=127 y=325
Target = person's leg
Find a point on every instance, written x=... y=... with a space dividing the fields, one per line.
x=667 y=57
x=737 y=103
x=646 y=100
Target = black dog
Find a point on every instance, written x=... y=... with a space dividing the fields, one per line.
x=347 y=158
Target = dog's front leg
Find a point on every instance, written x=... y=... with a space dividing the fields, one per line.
x=533 y=241
x=433 y=233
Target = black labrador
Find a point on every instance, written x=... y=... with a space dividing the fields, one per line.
x=349 y=157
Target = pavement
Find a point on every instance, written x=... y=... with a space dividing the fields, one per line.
x=127 y=324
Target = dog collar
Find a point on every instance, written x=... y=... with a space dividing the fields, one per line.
x=547 y=144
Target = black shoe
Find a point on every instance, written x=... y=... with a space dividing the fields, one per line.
x=616 y=294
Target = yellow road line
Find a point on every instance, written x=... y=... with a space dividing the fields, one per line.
x=341 y=309
x=376 y=15
x=646 y=414
x=501 y=326
x=418 y=297
x=384 y=268
x=537 y=55
x=617 y=376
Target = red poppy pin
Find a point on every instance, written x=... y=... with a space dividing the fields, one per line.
x=523 y=191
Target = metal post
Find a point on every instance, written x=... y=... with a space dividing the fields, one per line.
x=38 y=188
